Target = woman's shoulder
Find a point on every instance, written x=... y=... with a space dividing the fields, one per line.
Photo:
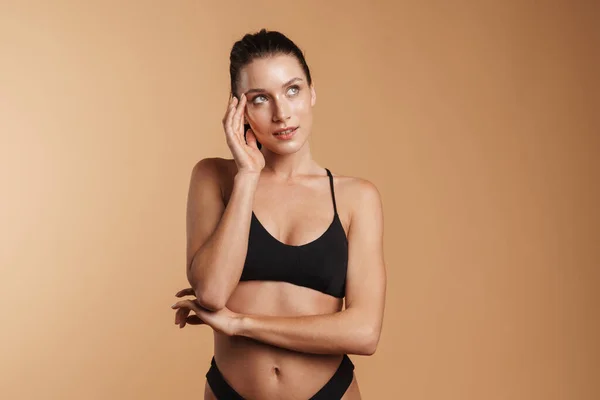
x=217 y=168
x=215 y=163
x=353 y=192
x=353 y=184
x=213 y=173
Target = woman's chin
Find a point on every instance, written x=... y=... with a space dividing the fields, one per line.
x=284 y=148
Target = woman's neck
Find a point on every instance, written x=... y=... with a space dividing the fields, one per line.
x=289 y=166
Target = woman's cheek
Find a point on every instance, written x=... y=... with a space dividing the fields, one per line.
x=258 y=119
x=251 y=116
x=301 y=105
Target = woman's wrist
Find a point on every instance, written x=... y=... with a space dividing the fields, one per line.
x=247 y=174
x=246 y=179
x=239 y=325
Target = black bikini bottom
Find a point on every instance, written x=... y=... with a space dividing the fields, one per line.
x=334 y=389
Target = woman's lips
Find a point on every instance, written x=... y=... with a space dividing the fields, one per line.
x=285 y=136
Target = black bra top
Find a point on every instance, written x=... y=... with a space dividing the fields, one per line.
x=320 y=264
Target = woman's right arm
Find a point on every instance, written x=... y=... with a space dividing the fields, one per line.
x=217 y=235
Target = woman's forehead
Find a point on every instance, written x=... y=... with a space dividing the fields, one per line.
x=269 y=73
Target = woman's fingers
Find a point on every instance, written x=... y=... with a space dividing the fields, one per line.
x=251 y=139
x=228 y=109
x=185 y=292
x=246 y=158
x=238 y=118
x=233 y=123
x=180 y=316
x=189 y=304
x=227 y=121
x=194 y=320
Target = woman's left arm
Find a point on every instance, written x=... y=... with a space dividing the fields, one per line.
x=356 y=329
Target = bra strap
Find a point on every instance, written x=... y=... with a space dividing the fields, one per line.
x=332 y=191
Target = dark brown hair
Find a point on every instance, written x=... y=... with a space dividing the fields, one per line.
x=260 y=45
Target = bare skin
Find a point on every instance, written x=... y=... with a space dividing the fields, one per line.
x=269 y=372
x=276 y=340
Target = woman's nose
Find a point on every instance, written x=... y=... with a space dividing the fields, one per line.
x=281 y=112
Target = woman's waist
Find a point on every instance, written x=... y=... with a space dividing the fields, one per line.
x=245 y=361
x=244 y=352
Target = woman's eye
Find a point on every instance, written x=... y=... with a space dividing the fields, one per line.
x=293 y=89
x=260 y=97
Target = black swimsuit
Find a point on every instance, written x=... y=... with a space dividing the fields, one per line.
x=320 y=265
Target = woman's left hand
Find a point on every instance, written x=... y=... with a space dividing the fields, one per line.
x=224 y=321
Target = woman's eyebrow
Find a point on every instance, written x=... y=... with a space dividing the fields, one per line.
x=256 y=90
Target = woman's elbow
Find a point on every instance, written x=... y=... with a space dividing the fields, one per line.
x=370 y=345
x=367 y=345
x=206 y=295
x=210 y=301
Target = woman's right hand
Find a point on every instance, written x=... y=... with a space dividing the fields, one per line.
x=247 y=156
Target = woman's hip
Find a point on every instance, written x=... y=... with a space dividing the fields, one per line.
x=248 y=381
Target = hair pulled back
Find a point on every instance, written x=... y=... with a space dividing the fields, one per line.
x=261 y=44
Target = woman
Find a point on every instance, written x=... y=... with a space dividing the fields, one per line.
x=275 y=243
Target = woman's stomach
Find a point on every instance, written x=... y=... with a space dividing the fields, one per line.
x=260 y=370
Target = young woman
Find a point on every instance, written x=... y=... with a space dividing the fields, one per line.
x=276 y=242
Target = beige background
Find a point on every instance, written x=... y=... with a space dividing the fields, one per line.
x=477 y=120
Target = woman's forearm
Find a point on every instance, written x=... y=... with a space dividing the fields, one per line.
x=344 y=332
x=216 y=267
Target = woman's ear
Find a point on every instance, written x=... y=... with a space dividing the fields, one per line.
x=313 y=95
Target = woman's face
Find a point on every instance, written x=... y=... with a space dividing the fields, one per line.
x=278 y=96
